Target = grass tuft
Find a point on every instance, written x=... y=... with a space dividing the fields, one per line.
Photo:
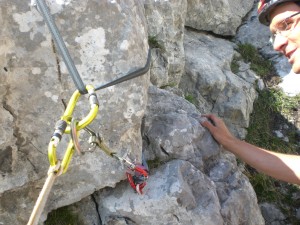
x=154 y=43
x=63 y=216
x=259 y=65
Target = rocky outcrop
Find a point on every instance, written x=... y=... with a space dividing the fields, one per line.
x=35 y=85
x=215 y=88
x=196 y=181
x=166 y=30
x=220 y=17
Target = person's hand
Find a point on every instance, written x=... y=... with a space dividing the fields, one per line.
x=218 y=129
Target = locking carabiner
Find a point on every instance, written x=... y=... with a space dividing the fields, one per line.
x=64 y=126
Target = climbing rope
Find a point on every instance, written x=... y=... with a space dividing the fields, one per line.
x=57 y=167
x=136 y=174
x=45 y=12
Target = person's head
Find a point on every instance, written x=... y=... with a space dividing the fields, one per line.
x=283 y=18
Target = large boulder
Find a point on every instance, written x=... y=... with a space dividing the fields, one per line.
x=106 y=40
x=214 y=87
x=165 y=21
x=221 y=17
x=194 y=181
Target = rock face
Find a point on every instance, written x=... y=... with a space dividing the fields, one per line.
x=222 y=17
x=197 y=182
x=35 y=84
x=166 y=31
x=209 y=79
x=194 y=181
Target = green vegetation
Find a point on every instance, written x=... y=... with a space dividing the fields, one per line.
x=266 y=117
x=268 y=114
x=259 y=65
x=234 y=65
x=154 y=43
x=154 y=163
x=271 y=111
x=191 y=99
x=63 y=216
x=168 y=85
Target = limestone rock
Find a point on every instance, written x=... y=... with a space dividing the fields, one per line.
x=212 y=83
x=221 y=17
x=272 y=214
x=107 y=40
x=165 y=21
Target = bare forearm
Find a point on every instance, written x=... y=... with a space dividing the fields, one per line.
x=280 y=166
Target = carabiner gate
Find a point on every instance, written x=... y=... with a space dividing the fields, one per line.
x=64 y=126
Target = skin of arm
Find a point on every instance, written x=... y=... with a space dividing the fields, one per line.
x=280 y=166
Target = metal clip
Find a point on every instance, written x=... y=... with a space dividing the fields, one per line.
x=72 y=128
x=96 y=140
x=125 y=161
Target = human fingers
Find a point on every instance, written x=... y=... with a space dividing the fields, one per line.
x=207 y=124
x=213 y=118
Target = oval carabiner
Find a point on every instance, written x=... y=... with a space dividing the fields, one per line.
x=64 y=126
x=94 y=107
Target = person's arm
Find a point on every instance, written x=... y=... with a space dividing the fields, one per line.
x=280 y=166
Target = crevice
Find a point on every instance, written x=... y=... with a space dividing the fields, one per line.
x=57 y=60
x=64 y=103
x=9 y=109
x=16 y=132
x=164 y=150
x=33 y=166
x=146 y=139
x=177 y=218
x=37 y=149
x=127 y=220
x=20 y=141
x=97 y=208
x=227 y=37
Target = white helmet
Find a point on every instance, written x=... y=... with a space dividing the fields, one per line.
x=266 y=6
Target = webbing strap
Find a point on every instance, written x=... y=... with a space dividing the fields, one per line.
x=42 y=7
x=42 y=199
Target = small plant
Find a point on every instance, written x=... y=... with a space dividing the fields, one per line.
x=168 y=85
x=234 y=65
x=268 y=111
x=63 y=216
x=154 y=163
x=191 y=99
x=154 y=43
x=259 y=65
x=264 y=186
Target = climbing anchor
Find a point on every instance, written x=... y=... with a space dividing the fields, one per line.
x=57 y=167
